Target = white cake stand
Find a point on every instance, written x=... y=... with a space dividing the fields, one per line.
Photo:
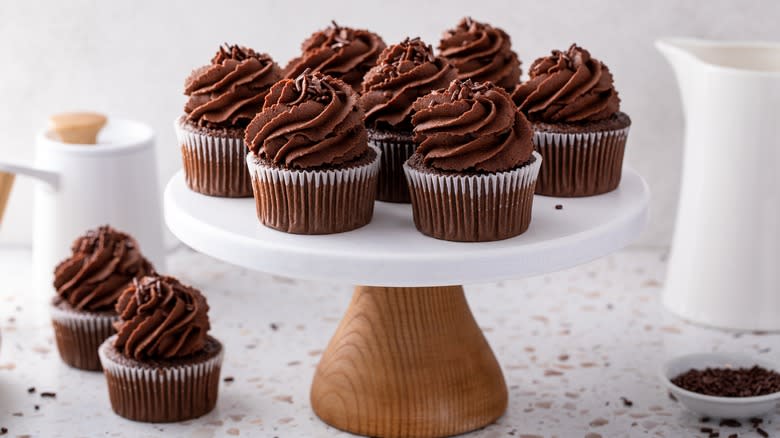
x=408 y=359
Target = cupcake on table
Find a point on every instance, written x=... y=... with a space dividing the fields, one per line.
x=473 y=176
x=223 y=97
x=102 y=264
x=482 y=53
x=311 y=167
x=403 y=73
x=579 y=129
x=162 y=365
x=340 y=52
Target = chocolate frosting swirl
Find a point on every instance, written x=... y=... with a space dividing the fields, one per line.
x=568 y=87
x=403 y=73
x=471 y=127
x=230 y=91
x=341 y=52
x=160 y=318
x=482 y=53
x=103 y=262
x=310 y=122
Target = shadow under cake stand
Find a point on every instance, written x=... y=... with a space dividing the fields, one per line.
x=408 y=359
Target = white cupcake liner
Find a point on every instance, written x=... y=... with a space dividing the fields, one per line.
x=473 y=207
x=212 y=165
x=161 y=393
x=314 y=201
x=79 y=334
x=392 y=186
x=580 y=164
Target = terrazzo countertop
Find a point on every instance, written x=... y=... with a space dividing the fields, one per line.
x=580 y=350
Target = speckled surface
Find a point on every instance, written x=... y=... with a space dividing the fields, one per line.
x=571 y=345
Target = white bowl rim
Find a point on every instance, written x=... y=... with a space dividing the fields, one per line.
x=709 y=357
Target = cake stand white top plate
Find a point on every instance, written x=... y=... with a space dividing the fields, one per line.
x=391 y=252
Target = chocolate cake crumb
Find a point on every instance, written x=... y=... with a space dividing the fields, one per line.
x=730 y=422
x=49 y=394
x=228 y=379
x=762 y=432
x=558 y=207
x=626 y=402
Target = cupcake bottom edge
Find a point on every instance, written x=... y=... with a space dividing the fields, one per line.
x=173 y=391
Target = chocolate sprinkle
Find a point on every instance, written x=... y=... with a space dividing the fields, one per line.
x=558 y=207
x=626 y=402
x=762 y=432
x=49 y=394
x=730 y=422
x=228 y=379
x=31 y=390
x=3 y=430
x=730 y=382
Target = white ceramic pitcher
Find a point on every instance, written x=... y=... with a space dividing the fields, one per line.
x=724 y=267
x=81 y=187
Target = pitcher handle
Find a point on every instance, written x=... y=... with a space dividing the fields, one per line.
x=48 y=176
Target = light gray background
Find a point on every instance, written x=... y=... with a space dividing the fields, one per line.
x=130 y=59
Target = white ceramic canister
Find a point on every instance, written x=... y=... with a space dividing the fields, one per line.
x=80 y=187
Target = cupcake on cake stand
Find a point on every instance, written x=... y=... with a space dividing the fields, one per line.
x=408 y=358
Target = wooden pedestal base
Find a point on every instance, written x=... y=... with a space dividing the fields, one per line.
x=408 y=362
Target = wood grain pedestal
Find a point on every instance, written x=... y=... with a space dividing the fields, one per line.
x=408 y=362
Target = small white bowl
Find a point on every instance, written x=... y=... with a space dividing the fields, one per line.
x=719 y=407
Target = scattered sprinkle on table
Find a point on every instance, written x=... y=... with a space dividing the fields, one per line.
x=558 y=207
x=49 y=394
x=229 y=379
x=31 y=390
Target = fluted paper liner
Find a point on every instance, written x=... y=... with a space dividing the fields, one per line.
x=580 y=164
x=79 y=334
x=473 y=207
x=213 y=165
x=314 y=201
x=161 y=394
x=392 y=186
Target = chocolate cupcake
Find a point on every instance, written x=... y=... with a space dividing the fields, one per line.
x=339 y=52
x=472 y=178
x=482 y=53
x=311 y=167
x=223 y=97
x=403 y=73
x=88 y=283
x=579 y=129
x=162 y=366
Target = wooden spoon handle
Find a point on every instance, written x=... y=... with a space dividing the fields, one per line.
x=77 y=127
x=6 y=182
